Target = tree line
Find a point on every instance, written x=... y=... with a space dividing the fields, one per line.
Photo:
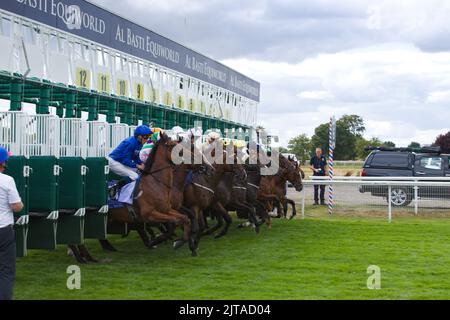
x=350 y=142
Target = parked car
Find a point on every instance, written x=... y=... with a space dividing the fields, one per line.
x=406 y=162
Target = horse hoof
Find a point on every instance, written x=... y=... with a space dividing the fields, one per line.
x=178 y=244
x=82 y=261
x=194 y=254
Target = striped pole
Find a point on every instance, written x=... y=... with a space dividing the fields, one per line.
x=332 y=144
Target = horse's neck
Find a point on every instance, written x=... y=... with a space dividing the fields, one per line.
x=253 y=177
x=218 y=175
x=179 y=176
x=281 y=176
x=159 y=171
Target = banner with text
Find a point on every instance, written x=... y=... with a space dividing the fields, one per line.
x=91 y=22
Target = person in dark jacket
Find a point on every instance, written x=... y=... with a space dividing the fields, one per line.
x=318 y=165
x=124 y=160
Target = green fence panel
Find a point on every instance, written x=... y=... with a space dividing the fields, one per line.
x=96 y=216
x=72 y=200
x=43 y=187
x=43 y=200
x=72 y=184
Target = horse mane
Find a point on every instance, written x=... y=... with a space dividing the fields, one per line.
x=152 y=155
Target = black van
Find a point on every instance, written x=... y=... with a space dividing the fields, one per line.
x=406 y=162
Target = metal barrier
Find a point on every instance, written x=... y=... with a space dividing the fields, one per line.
x=399 y=192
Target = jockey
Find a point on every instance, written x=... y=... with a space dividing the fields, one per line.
x=124 y=160
x=148 y=146
x=211 y=138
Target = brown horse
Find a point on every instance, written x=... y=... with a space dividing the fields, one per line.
x=152 y=199
x=202 y=193
x=273 y=188
x=231 y=193
x=288 y=201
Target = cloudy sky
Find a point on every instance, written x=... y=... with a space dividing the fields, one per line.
x=388 y=61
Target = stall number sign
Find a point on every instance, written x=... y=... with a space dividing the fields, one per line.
x=122 y=87
x=202 y=107
x=180 y=102
x=191 y=105
x=83 y=78
x=139 y=91
x=103 y=83
x=168 y=99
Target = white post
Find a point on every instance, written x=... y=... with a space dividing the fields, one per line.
x=303 y=204
x=416 y=199
x=390 y=204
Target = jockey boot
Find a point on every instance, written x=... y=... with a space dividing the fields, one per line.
x=113 y=190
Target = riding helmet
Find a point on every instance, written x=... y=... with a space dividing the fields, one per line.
x=4 y=155
x=142 y=130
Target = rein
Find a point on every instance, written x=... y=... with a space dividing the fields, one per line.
x=253 y=185
x=203 y=187
x=151 y=173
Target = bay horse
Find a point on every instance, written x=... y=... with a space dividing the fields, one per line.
x=273 y=188
x=152 y=203
x=231 y=193
x=202 y=194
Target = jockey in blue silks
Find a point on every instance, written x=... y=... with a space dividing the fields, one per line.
x=124 y=160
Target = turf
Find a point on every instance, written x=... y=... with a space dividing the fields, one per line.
x=316 y=258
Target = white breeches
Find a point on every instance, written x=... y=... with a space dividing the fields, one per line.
x=122 y=170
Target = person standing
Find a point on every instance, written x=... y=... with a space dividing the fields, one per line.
x=318 y=164
x=9 y=202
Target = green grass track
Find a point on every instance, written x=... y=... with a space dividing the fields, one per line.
x=317 y=258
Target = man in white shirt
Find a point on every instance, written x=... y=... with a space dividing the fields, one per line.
x=9 y=202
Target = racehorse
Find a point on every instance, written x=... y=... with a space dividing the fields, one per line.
x=231 y=193
x=273 y=188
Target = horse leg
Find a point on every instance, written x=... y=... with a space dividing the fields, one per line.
x=164 y=236
x=107 y=246
x=280 y=211
x=150 y=231
x=222 y=213
x=294 y=210
x=85 y=253
x=251 y=213
x=77 y=254
x=184 y=221
x=217 y=226
x=194 y=229
x=173 y=217
x=140 y=228
x=285 y=207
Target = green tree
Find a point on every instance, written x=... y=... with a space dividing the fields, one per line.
x=362 y=143
x=388 y=144
x=354 y=123
x=414 y=145
x=348 y=130
x=443 y=141
x=301 y=147
x=283 y=150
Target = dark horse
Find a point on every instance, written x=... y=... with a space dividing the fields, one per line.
x=231 y=193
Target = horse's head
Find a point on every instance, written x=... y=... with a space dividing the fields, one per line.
x=167 y=146
x=161 y=151
x=291 y=171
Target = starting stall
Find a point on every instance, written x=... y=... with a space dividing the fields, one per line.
x=71 y=91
